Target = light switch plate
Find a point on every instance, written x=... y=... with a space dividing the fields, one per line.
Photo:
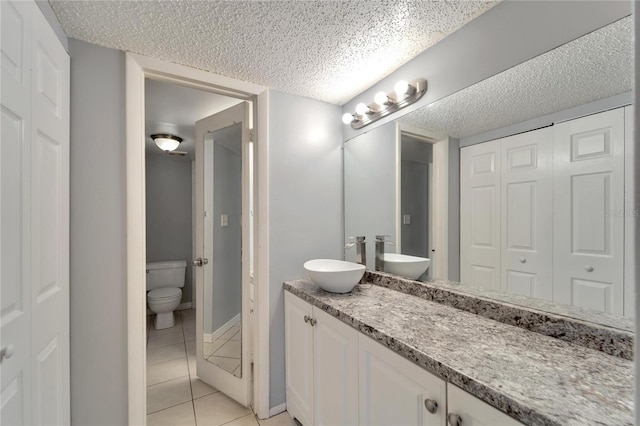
x=224 y=220
x=406 y=219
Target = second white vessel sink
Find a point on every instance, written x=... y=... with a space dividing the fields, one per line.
x=407 y=266
x=336 y=276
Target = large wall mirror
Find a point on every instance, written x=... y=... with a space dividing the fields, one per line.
x=518 y=186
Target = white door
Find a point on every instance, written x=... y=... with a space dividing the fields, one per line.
x=473 y=412
x=527 y=214
x=298 y=358
x=480 y=215
x=589 y=212
x=222 y=216
x=393 y=391
x=34 y=316
x=336 y=371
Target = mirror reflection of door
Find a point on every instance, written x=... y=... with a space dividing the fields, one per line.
x=416 y=168
x=222 y=322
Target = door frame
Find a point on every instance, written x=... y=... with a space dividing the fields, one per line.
x=440 y=193
x=138 y=68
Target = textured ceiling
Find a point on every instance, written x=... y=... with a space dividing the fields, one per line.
x=595 y=66
x=326 y=50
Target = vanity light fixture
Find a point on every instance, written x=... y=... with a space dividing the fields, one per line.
x=166 y=142
x=404 y=93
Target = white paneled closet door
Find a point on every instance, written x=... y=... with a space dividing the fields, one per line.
x=480 y=215
x=34 y=318
x=527 y=216
x=589 y=212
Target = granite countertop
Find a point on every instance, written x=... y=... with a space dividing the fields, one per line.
x=536 y=379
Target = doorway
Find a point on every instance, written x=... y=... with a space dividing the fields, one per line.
x=138 y=69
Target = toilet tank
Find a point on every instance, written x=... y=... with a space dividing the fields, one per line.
x=169 y=273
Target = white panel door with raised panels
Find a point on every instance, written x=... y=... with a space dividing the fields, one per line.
x=527 y=216
x=15 y=315
x=589 y=212
x=35 y=219
x=480 y=215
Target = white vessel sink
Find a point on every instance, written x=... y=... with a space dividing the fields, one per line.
x=407 y=266
x=336 y=276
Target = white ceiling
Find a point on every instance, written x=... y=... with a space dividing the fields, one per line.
x=174 y=109
x=595 y=66
x=326 y=50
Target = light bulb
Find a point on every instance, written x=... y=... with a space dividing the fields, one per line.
x=401 y=88
x=362 y=109
x=381 y=98
x=347 y=118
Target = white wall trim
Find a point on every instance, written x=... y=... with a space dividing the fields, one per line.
x=210 y=337
x=278 y=409
x=139 y=67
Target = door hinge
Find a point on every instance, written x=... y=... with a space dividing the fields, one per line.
x=250 y=135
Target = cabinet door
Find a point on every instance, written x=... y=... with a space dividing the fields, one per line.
x=480 y=215
x=527 y=216
x=336 y=371
x=298 y=358
x=589 y=212
x=474 y=412
x=393 y=391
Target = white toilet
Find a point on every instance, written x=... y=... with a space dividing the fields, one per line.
x=164 y=283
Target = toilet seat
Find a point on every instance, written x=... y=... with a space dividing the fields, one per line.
x=160 y=294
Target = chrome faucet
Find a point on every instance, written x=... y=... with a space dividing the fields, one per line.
x=380 y=240
x=361 y=249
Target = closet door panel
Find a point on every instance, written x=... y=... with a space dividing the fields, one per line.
x=480 y=215
x=589 y=212
x=526 y=214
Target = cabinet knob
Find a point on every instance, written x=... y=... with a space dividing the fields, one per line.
x=312 y=322
x=307 y=318
x=588 y=268
x=523 y=260
x=454 y=419
x=431 y=405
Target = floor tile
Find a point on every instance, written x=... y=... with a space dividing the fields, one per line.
x=168 y=336
x=180 y=415
x=231 y=349
x=166 y=353
x=189 y=331
x=199 y=388
x=188 y=314
x=168 y=394
x=218 y=409
x=248 y=420
x=209 y=348
x=167 y=370
x=229 y=364
x=282 y=419
x=191 y=348
x=191 y=362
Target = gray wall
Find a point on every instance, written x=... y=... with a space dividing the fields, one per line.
x=98 y=291
x=168 y=199
x=227 y=241
x=305 y=215
x=370 y=188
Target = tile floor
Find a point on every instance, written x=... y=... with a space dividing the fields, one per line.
x=225 y=351
x=176 y=396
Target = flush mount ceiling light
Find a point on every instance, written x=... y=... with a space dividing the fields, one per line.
x=166 y=142
x=404 y=93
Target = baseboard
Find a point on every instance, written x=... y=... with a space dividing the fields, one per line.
x=210 y=337
x=273 y=411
